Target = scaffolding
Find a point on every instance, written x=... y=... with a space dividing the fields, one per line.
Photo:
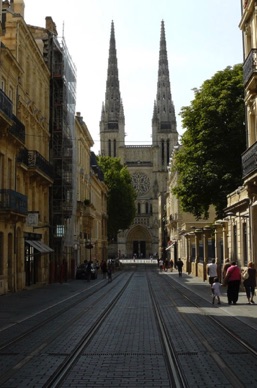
x=62 y=147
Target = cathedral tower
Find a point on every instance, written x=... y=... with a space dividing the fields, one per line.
x=112 y=122
x=164 y=126
x=147 y=164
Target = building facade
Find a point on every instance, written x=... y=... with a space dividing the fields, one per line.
x=191 y=240
x=47 y=172
x=240 y=223
x=26 y=173
x=147 y=164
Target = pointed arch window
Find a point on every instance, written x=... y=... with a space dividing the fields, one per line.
x=138 y=208
x=114 y=148
x=162 y=151
x=168 y=152
x=109 y=148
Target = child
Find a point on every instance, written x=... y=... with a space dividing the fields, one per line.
x=216 y=290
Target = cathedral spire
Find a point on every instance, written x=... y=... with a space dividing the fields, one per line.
x=112 y=122
x=113 y=103
x=164 y=112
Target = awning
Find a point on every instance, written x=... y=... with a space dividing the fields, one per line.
x=170 y=246
x=40 y=246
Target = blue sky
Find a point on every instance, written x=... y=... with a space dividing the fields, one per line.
x=202 y=38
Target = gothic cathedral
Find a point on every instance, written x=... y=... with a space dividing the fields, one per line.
x=147 y=164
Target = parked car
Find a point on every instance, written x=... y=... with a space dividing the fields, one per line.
x=81 y=272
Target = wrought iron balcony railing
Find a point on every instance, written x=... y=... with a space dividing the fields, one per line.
x=36 y=160
x=13 y=201
x=249 y=161
x=5 y=104
x=250 y=66
x=18 y=129
x=33 y=159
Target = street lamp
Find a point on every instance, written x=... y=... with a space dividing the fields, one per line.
x=89 y=246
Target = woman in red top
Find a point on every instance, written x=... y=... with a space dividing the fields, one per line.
x=250 y=283
x=233 y=277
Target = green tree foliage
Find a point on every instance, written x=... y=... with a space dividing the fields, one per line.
x=121 y=195
x=209 y=161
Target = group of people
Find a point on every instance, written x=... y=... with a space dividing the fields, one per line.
x=164 y=265
x=232 y=277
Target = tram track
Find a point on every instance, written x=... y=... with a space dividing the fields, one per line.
x=175 y=292
x=175 y=371
x=142 y=330
x=229 y=331
x=8 y=348
x=72 y=301
x=56 y=379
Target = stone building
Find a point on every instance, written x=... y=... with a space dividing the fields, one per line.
x=147 y=164
x=26 y=174
x=240 y=223
x=91 y=215
x=47 y=171
x=190 y=239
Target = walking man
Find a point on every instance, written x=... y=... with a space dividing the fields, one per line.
x=180 y=266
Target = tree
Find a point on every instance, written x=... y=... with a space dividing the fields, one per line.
x=209 y=160
x=121 y=195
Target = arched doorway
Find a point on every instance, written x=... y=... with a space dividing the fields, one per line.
x=139 y=242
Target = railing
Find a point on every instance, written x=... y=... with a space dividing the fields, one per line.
x=36 y=160
x=5 y=104
x=33 y=159
x=11 y=200
x=18 y=129
x=250 y=66
x=249 y=160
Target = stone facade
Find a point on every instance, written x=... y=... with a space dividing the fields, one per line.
x=147 y=164
x=91 y=215
x=47 y=171
x=190 y=239
x=24 y=153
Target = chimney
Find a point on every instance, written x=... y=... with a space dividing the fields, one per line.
x=50 y=25
x=19 y=7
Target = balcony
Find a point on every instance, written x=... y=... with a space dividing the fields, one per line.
x=5 y=113
x=5 y=105
x=12 y=201
x=249 y=161
x=35 y=161
x=17 y=129
x=250 y=70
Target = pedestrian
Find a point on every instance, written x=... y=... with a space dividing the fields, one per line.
x=180 y=266
x=104 y=268
x=109 y=271
x=250 y=282
x=216 y=285
x=88 y=270
x=161 y=264
x=212 y=272
x=233 y=280
x=225 y=268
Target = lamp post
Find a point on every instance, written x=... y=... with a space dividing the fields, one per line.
x=89 y=246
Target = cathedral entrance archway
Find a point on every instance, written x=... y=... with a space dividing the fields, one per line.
x=139 y=242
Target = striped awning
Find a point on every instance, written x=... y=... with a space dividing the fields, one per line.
x=39 y=246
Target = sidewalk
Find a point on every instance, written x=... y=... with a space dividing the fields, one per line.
x=242 y=310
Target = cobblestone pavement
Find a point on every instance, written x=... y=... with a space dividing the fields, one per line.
x=127 y=346
x=18 y=306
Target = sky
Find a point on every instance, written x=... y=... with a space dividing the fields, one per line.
x=202 y=38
